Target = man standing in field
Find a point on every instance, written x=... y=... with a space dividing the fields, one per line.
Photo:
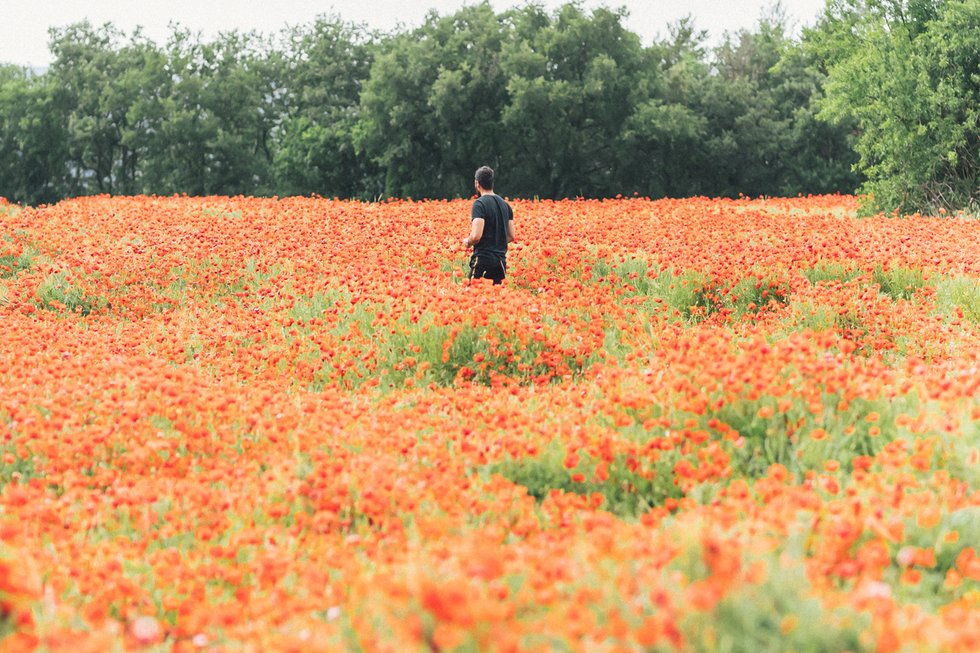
x=492 y=227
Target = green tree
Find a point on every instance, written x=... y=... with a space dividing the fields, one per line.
x=662 y=139
x=907 y=72
x=541 y=97
x=573 y=81
x=561 y=103
x=210 y=121
x=100 y=78
x=430 y=110
x=740 y=119
x=33 y=137
x=325 y=65
x=819 y=156
x=768 y=92
x=86 y=66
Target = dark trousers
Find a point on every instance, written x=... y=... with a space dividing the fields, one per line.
x=487 y=266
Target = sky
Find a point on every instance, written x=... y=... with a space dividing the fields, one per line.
x=24 y=24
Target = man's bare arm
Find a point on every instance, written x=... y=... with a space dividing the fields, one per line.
x=476 y=232
x=510 y=231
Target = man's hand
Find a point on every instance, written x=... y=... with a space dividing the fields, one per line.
x=466 y=242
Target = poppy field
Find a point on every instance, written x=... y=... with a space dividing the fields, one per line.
x=238 y=424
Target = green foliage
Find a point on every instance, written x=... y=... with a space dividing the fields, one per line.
x=905 y=73
x=691 y=295
x=214 y=112
x=430 y=107
x=33 y=138
x=742 y=121
x=573 y=80
x=563 y=102
x=959 y=294
x=98 y=83
x=898 y=282
x=665 y=289
x=827 y=271
x=777 y=614
x=965 y=523
x=626 y=491
x=860 y=427
x=959 y=453
x=324 y=66
x=954 y=532
x=749 y=295
x=19 y=469
x=60 y=294
x=17 y=465
x=763 y=134
x=11 y=264
x=753 y=432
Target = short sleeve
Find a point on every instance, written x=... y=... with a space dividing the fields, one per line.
x=478 y=211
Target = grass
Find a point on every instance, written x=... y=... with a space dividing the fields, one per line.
x=753 y=433
x=747 y=296
x=690 y=296
x=626 y=492
x=898 y=282
x=221 y=213
x=831 y=271
x=58 y=293
x=415 y=346
x=13 y=467
x=847 y=429
x=959 y=294
x=777 y=613
x=12 y=263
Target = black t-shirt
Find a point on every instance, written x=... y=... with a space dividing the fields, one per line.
x=495 y=213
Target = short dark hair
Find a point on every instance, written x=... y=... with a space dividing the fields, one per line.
x=484 y=177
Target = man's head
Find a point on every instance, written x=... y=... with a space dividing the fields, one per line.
x=484 y=177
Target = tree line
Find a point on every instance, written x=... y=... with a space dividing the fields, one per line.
x=561 y=103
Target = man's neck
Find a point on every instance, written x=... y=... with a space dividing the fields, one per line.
x=485 y=192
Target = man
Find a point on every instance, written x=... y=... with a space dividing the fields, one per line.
x=491 y=228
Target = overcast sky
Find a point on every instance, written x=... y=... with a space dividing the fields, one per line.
x=24 y=24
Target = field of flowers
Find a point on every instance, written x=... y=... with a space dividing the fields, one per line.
x=680 y=425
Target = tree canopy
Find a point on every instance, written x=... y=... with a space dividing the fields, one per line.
x=561 y=103
x=907 y=74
